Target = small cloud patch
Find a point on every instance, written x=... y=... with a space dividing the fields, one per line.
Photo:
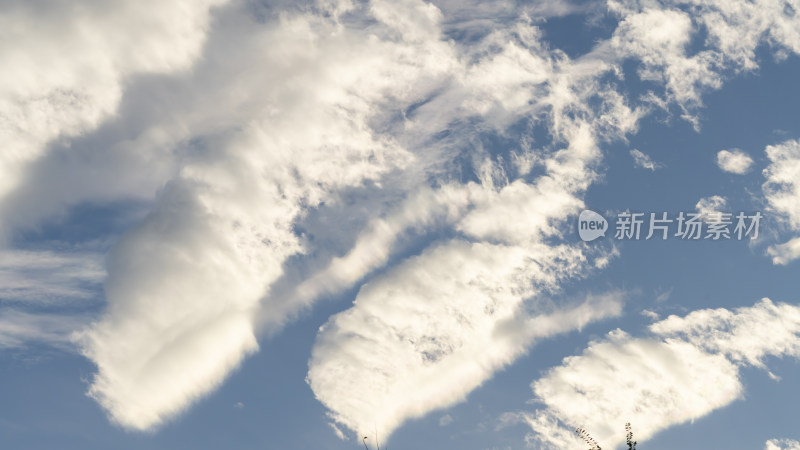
x=734 y=161
x=642 y=161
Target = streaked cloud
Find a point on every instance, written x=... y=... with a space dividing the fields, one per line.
x=688 y=367
x=734 y=161
x=49 y=278
x=45 y=296
x=649 y=382
x=19 y=329
x=410 y=345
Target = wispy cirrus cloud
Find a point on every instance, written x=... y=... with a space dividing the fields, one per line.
x=46 y=296
x=47 y=277
x=19 y=329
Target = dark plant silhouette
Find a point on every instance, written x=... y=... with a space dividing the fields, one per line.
x=629 y=437
x=593 y=445
x=377 y=442
x=588 y=439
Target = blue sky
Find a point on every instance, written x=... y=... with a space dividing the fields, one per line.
x=241 y=224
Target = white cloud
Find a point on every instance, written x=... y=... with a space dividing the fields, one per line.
x=711 y=208
x=658 y=35
x=197 y=272
x=782 y=193
x=736 y=30
x=523 y=74
x=649 y=382
x=687 y=369
x=436 y=327
x=446 y=313
x=782 y=444
x=744 y=335
x=734 y=161
x=549 y=434
x=785 y=253
x=185 y=285
x=280 y=120
x=782 y=185
x=643 y=161
x=65 y=69
x=659 y=39
x=424 y=209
